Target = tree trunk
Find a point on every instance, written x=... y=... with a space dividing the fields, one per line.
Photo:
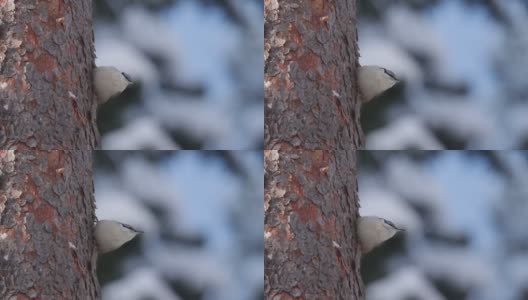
x=46 y=63
x=310 y=62
x=47 y=214
x=310 y=211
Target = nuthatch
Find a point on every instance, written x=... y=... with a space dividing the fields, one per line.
x=373 y=81
x=109 y=82
x=373 y=231
x=110 y=235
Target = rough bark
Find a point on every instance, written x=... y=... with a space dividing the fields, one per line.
x=46 y=63
x=310 y=211
x=310 y=62
x=47 y=249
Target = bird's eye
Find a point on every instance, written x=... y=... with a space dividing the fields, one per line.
x=389 y=223
x=126 y=76
x=129 y=227
x=390 y=73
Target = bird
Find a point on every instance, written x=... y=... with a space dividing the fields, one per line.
x=374 y=80
x=109 y=82
x=111 y=235
x=374 y=231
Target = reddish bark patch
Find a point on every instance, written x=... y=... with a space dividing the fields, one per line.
x=55 y=161
x=43 y=212
x=44 y=63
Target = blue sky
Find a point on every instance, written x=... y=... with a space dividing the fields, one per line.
x=470 y=36
x=472 y=188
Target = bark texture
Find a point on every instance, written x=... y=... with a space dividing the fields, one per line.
x=47 y=214
x=310 y=83
x=46 y=63
x=310 y=211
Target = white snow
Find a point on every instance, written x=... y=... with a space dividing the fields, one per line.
x=407 y=132
x=143 y=133
x=142 y=283
x=406 y=283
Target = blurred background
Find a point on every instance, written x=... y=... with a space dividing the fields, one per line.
x=466 y=216
x=198 y=67
x=464 y=65
x=203 y=219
